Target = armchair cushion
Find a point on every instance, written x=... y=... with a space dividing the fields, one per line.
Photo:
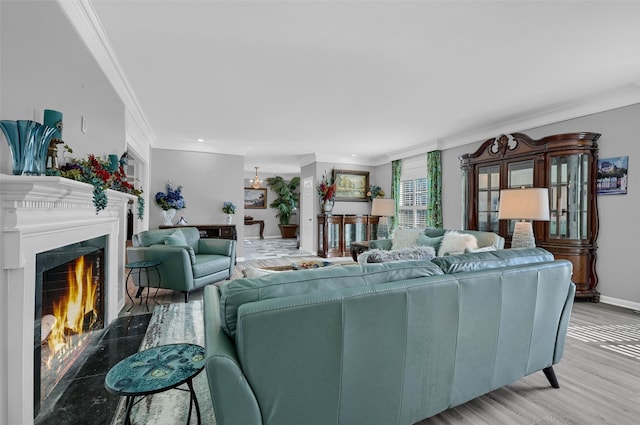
x=206 y=264
x=177 y=239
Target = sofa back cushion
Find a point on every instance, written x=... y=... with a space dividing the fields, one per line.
x=157 y=237
x=300 y=282
x=477 y=261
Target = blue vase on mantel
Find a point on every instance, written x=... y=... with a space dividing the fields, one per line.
x=28 y=142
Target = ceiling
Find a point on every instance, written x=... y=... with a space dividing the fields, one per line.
x=363 y=82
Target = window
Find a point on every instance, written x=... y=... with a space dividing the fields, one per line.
x=412 y=211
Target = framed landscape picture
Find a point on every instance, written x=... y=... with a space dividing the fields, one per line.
x=255 y=198
x=612 y=175
x=351 y=185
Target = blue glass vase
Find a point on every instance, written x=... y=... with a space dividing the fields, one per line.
x=28 y=142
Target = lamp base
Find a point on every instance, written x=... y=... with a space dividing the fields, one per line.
x=383 y=228
x=523 y=235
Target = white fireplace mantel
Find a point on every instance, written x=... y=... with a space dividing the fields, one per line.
x=37 y=214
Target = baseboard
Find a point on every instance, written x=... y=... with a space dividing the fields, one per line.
x=620 y=303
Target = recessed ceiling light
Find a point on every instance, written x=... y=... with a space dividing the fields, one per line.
x=354 y=155
x=199 y=140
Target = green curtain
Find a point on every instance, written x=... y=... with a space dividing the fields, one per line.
x=396 y=170
x=434 y=190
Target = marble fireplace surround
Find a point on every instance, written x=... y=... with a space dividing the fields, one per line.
x=37 y=214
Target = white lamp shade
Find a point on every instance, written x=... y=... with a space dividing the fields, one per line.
x=524 y=204
x=383 y=207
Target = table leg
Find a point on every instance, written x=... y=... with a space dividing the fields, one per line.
x=261 y=230
x=126 y=288
x=129 y=404
x=193 y=398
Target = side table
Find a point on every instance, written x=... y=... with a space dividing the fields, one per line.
x=156 y=370
x=139 y=267
x=357 y=248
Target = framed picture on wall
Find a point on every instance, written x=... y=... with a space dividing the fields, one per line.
x=255 y=198
x=351 y=185
x=612 y=175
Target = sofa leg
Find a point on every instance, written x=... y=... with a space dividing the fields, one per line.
x=551 y=376
x=186 y=297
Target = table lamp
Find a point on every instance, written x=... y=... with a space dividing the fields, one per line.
x=524 y=204
x=383 y=207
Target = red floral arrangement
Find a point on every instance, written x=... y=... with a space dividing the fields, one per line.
x=327 y=187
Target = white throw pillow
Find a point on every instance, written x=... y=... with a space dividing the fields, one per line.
x=457 y=243
x=403 y=238
x=256 y=272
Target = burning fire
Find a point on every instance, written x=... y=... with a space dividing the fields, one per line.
x=75 y=312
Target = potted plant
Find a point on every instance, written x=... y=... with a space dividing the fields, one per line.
x=286 y=203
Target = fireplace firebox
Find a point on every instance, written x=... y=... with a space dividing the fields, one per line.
x=69 y=310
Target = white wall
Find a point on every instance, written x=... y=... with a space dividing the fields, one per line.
x=208 y=181
x=46 y=66
x=619 y=224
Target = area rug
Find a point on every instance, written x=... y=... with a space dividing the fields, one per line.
x=172 y=323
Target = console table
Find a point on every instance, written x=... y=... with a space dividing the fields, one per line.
x=212 y=231
x=260 y=222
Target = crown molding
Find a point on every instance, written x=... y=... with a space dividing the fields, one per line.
x=86 y=22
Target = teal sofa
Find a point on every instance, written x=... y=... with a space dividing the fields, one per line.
x=187 y=262
x=383 y=343
x=484 y=239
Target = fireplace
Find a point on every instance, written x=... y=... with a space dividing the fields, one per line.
x=47 y=223
x=69 y=311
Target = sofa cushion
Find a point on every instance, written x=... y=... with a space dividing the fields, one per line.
x=324 y=279
x=491 y=259
x=207 y=264
x=276 y=285
x=403 y=238
x=454 y=243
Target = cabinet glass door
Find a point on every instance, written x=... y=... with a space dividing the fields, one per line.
x=354 y=232
x=488 y=195
x=568 y=191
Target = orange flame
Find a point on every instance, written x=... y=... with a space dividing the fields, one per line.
x=73 y=309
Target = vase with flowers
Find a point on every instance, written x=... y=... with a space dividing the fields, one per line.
x=229 y=209
x=375 y=192
x=327 y=191
x=170 y=201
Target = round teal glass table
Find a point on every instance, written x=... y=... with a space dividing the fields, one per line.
x=155 y=370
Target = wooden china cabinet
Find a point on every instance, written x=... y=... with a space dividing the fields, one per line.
x=336 y=233
x=566 y=164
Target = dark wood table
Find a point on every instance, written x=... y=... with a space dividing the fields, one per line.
x=357 y=248
x=260 y=222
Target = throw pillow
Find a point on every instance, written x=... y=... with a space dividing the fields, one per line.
x=457 y=243
x=177 y=239
x=409 y=253
x=403 y=238
x=425 y=240
x=256 y=272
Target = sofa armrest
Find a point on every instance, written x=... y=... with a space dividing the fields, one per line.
x=564 y=324
x=175 y=265
x=381 y=244
x=233 y=400
x=225 y=247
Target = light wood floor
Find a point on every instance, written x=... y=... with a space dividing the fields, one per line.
x=597 y=385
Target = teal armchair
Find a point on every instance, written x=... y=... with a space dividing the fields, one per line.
x=187 y=262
